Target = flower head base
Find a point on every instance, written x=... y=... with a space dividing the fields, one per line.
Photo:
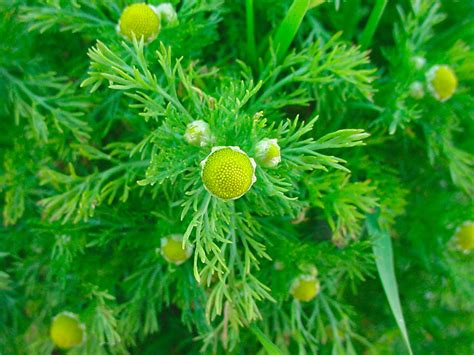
x=198 y=133
x=167 y=14
x=228 y=173
x=172 y=249
x=139 y=20
x=442 y=82
x=67 y=331
x=464 y=237
x=305 y=288
x=268 y=153
x=416 y=90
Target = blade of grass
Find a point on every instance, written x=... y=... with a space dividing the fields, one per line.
x=288 y=28
x=251 y=44
x=382 y=248
x=267 y=344
x=372 y=24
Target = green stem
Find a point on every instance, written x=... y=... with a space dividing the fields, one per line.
x=372 y=24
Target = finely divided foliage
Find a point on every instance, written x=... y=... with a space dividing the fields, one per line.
x=97 y=170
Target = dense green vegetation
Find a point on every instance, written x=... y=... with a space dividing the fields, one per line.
x=342 y=223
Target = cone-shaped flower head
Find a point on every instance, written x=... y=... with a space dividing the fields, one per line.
x=464 y=237
x=228 y=173
x=442 y=82
x=141 y=20
x=67 y=331
x=268 y=153
x=172 y=249
x=305 y=288
x=198 y=133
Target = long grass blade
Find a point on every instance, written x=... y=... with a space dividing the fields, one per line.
x=382 y=248
x=372 y=23
x=288 y=28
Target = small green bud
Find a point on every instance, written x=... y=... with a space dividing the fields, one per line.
x=167 y=14
x=268 y=153
x=198 y=133
x=416 y=90
x=419 y=62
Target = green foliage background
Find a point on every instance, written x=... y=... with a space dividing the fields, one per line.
x=95 y=171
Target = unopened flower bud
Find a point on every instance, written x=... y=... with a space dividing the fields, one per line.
x=419 y=62
x=268 y=153
x=167 y=14
x=198 y=133
x=416 y=90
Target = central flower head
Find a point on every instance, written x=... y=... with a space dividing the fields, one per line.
x=139 y=20
x=228 y=173
x=67 y=331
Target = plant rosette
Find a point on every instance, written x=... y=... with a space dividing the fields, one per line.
x=140 y=20
x=228 y=172
x=463 y=238
x=442 y=82
x=172 y=250
x=305 y=287
x=67 y=331
x=268 y=153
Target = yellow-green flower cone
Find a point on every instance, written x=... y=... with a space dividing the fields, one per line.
x=141 y=20
x=305 y=288
x=464 y=237
x=442 y=82
x=228 y=173
x=172 y=249
x=67 y=331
